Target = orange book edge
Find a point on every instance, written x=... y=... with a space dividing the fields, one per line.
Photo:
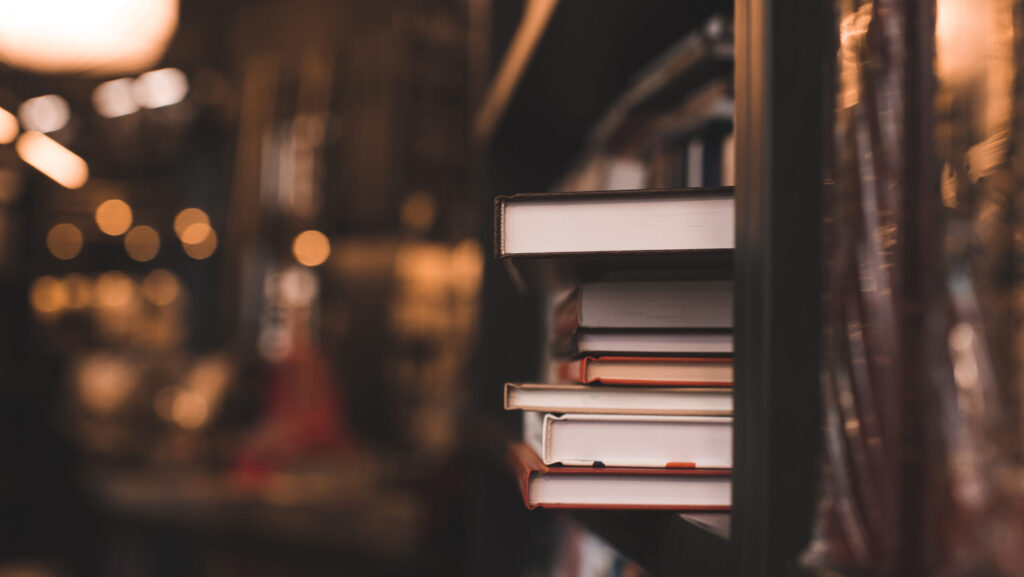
x=576 y=371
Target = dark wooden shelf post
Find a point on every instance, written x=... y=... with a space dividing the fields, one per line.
x=782 y=53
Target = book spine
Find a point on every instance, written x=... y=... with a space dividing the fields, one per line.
x=574 y=371
x=499 y=225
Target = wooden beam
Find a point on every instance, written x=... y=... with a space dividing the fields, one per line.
x=513 y=64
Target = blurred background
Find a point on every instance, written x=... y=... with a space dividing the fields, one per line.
x=240 y=270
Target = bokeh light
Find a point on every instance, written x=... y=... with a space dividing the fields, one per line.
x=189 y=410
x=114 y=217
x=161 y=287
x=113 y=98
x=104 y=383
x=196 y=233
x=101 y=37
x=159 y=88
x=51 y=158
x=64 y=241
x=115 y=290
x=203 y=249
x=49 y=295
x=187 y=218
x=47 y=113
x=311 y=248
x=8 y=127
x=142 y=243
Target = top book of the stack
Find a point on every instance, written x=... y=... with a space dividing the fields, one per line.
x=559 y=239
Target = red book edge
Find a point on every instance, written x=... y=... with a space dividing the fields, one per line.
x=575 y=371
x=525 y=464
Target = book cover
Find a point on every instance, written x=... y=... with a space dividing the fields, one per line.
x=617 y=487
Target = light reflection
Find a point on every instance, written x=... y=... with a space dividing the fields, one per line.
x=8 y=127
x=142 y=243
x=64 y=241
x=114 y=217
x=311 y=248
x=113 y=98
x=47 y=113
x=51 y=158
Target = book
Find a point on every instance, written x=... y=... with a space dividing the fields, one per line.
x=617 y=488
x=563 y=398
x=577 y=439
x=638 y=341
x=672 y=371
x=694 y=304
x=553 y=239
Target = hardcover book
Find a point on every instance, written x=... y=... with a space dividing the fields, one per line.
x=554 y=239
x=618 y=487
x=694 y=304
x=561 y=398
x=629 y=440
x=627 y=370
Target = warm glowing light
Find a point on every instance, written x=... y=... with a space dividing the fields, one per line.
x=8 y=127
x=187 y=218
x=298 y=286
x=48 y=295
x=47 y=113
x=158 y=88
x=80 y=289
x=114 y=217
x=101 y=37
x=104 y=383
x=142 y=243
x=203 y=249
x=196 y=233
x=311 y=248
x=50 y=158
x=64 y=241
x=114 y=98
x=189 y=410
x=161 y=287
x=115 y=290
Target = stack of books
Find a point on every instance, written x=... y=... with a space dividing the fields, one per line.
x=636 y=408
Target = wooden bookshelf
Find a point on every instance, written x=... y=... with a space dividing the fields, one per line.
x=782 y=62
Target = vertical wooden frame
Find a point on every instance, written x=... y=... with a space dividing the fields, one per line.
x=782 y=53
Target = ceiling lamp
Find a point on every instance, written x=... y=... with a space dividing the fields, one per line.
x=101 y=37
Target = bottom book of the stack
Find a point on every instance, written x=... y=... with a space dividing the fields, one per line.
x=677 y=489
